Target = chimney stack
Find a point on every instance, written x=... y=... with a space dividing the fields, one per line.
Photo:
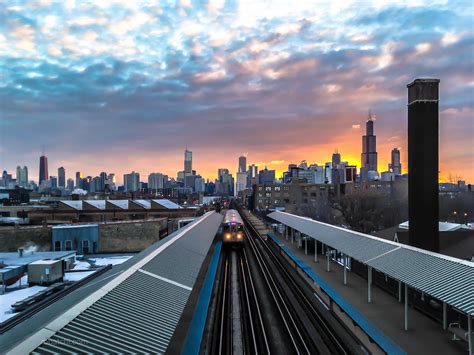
x=423 y=127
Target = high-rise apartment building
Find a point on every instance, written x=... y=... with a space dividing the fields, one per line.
x=79 y=177
x=156 y=181
x=252 y=175
x=131 y=182
x=70 y=184
x=22 y=176
x=61 y=177
x=53 y=182
x=395 y=166
x=43 y=169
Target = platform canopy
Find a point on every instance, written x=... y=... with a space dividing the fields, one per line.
x=448 y=279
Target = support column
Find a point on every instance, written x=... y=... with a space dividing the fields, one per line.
x=328 y=266
x=469 y=333
x=315 y=251
x=286 y=232
x=292 y=235
x=305 y=245
x=406 y=307
x=399 y=291
x=369 y=284
x=445 y=316
x=345 y=268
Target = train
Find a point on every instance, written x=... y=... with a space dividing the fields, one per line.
x=232 y=229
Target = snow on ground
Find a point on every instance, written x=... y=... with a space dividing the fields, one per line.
x=114 y=260
x=24 y=282
x=81 y=265
x=86 y=263
x=76 y=276
x=10 y=297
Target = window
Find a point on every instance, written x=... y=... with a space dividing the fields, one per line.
x=268 y=194
x=68 y=245
x=57 y=245
x=85 y=247
x=277 y=188
x=276 y=202
x=285 y=188
x=268 y=188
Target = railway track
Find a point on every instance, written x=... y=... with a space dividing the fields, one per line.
x=263 y=306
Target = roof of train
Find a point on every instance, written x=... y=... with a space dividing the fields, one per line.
x=232 y=216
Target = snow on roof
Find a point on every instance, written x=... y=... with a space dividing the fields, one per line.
x=123 y=204
x=144 y=203
x=67 y=226
x=100 y=204
x=77 y=205
x=442 y=226
x=167 y=203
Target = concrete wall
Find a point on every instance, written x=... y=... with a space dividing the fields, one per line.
x=113 y=237
x=130 y=237
x=12 y=238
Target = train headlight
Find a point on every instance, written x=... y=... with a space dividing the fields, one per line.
x=228 y=236
x=239 y=235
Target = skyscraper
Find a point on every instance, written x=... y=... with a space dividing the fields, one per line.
x=156 y=181
x=102 y=181
x=188 y=162
x=252 y=175
x=395 y=166
x=423 y=205
x=79 y=177
x=131 y=182
x=336 y=159
x=43 y=169
x=70 y=184
x=369 y=149
x=61 y=177
x=242 y=164
x=22 y=176
x=53 y=182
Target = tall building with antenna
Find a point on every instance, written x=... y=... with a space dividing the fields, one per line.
x=369 y=149
x=188 y=162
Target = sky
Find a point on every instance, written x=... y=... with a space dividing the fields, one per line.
x=118 y=86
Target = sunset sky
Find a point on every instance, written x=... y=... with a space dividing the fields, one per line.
x=118 y=86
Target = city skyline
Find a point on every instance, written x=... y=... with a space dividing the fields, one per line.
x=91 y=83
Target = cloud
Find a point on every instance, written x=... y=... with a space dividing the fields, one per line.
x=121 y=81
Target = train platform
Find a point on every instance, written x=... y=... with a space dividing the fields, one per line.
x=385 y=313
x=137 y=306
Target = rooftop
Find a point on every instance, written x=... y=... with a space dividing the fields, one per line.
x=117 y=313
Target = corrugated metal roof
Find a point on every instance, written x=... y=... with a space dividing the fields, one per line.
x=448 y=279
x=99 y=204
x=123 y=204
x=142 y=203
x=360 y=246
x=77 y=205
x=137 y=311
x=167 y=203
